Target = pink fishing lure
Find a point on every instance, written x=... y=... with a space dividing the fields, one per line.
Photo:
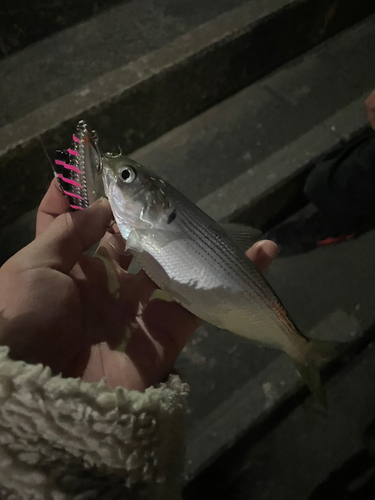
x=78 y=169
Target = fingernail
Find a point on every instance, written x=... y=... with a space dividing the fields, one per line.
x=104 y=201
x=271 y=248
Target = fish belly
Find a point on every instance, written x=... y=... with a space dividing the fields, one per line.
x=255 y=322
x=250 y=315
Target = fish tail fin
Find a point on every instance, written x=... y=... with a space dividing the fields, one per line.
x=312 y=357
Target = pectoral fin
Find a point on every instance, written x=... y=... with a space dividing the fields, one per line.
x=134 y=267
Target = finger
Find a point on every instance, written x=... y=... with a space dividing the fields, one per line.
x=263 y=253
x=53 y=204
x=67 y=238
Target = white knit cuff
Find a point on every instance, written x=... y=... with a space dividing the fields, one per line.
x=68 y=439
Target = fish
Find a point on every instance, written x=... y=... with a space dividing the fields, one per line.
x=202 y=265
x=78 y=169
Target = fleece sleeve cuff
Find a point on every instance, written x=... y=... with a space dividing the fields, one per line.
x=68 y=439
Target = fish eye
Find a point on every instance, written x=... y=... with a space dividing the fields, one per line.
x=127 y=174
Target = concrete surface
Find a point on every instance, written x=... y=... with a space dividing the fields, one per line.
x=267 y=189
x=75 y=57
x=302 y=450
x=290 y=117
x=145 y=97
x=22 y=23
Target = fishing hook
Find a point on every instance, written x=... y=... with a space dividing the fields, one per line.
x=114 y=155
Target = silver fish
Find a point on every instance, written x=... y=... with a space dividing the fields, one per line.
x=195 y=261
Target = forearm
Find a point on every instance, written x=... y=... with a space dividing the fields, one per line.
x=63 y=438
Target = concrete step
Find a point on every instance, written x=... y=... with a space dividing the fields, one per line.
x=143 y=82
x=242 y=157
x=22 y=24
x=246 y=158
x=303 y=449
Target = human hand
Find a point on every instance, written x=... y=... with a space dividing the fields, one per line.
x=71 y=312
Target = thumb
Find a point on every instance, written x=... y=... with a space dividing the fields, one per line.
x=68 y=237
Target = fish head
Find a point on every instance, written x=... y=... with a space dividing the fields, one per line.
x=137 y=197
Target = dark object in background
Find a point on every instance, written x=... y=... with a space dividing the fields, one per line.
x=342 y=190
x=342 y=187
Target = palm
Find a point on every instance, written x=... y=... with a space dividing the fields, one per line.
x=115 y=312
